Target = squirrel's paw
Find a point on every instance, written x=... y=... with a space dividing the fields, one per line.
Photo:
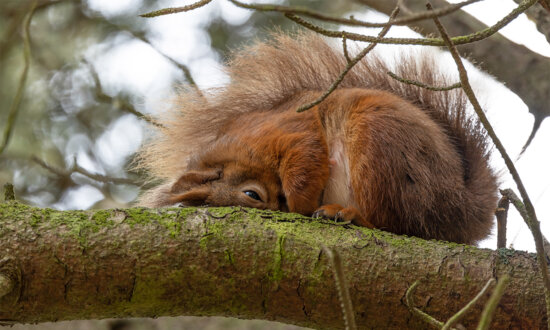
x=342 y=214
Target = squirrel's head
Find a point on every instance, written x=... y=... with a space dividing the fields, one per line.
x=229 y=176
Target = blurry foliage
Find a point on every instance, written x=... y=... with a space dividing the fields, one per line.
x=64 y=112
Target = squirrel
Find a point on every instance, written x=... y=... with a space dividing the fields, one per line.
x=376 y=152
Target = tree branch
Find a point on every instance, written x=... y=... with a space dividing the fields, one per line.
x=352 y=21
x=174 y=10
x=531 y=218
x=14 y=108
x=460 y=40
x=78 y=169
x=243 y=263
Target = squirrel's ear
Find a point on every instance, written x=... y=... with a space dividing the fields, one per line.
x=194 y=197
x=195 y=178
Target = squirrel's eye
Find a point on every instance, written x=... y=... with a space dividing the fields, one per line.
x=252 y=194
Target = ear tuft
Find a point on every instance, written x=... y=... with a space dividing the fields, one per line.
x=195 y=178
x=195 y=197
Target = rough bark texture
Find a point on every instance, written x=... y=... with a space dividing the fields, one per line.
x=522 y=70
x=243 y=263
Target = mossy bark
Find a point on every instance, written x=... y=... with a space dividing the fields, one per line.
x=242 y=263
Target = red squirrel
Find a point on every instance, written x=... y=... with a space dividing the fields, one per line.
x=376 y=152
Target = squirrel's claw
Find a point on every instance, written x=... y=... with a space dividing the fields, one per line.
x=342 y=214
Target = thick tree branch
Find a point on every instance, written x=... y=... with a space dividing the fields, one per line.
x=243 y=263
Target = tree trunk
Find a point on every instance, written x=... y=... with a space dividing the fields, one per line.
x=242 y=263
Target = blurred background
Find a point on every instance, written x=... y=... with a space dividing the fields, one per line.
x=96 y=68
x=94 y=65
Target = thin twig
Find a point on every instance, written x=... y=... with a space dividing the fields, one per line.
x=502 y=218
x=14 y=108
x=461 y=313
x=174 y=10
x=419 y=84
x=491 y=306
x=424 y=316
x=511 y=196
x=117 y=102
x=348 y=67
x=531 y=220
x=345 y=49
x=460 y=40
x=352 y=21
x=342 y=286
x=77 y=169
x=184 y=69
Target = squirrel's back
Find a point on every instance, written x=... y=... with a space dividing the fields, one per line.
x=266 y=75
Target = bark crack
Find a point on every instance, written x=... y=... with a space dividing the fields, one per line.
x=304 y=309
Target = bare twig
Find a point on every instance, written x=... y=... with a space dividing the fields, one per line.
x=342 y=286
x=502 y=218
x=348 y=67
x=490 y=307
x=461 y=313
x=511 y=196
x=345 y=49
x=531 y=219
x=455 y=318
x=14 y=108
x=424 y=316
x=419 y=84
x=460 y=40
x=140 y=36
x=116 y=101
x=77 y=169
x=174 y=10
x=352 y=21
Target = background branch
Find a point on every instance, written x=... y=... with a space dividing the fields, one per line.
x=77 y=169
x=14 y=108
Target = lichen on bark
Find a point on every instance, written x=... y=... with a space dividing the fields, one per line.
x=243 y=263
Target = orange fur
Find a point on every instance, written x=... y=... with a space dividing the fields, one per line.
x=376 y=152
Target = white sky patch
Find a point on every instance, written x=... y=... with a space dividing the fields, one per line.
x=181 y=36
x=82 y=197
x=233 y=14
x=86 y=162
x=208 y=73
x=120 y=141
x=521 y=30
x=131 y=65
x=111 y=8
